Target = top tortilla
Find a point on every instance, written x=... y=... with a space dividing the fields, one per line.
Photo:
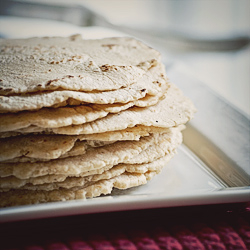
x=71 y=63
x=150 y=83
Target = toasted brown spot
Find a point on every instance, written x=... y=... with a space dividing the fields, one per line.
x=106 y=67
x=26 y=153
x=110 y=46
x=9 y=89
x=49 y=82
x=74 y=37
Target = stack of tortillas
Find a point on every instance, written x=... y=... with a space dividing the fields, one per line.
x=82 y=117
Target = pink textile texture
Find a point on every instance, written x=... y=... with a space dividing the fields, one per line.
x=165 y=229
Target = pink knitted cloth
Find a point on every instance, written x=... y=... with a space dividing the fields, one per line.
x=197 y=228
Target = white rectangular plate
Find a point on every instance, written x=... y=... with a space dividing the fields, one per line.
x=215 y=171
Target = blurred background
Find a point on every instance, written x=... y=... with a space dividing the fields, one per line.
x=207 y=38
